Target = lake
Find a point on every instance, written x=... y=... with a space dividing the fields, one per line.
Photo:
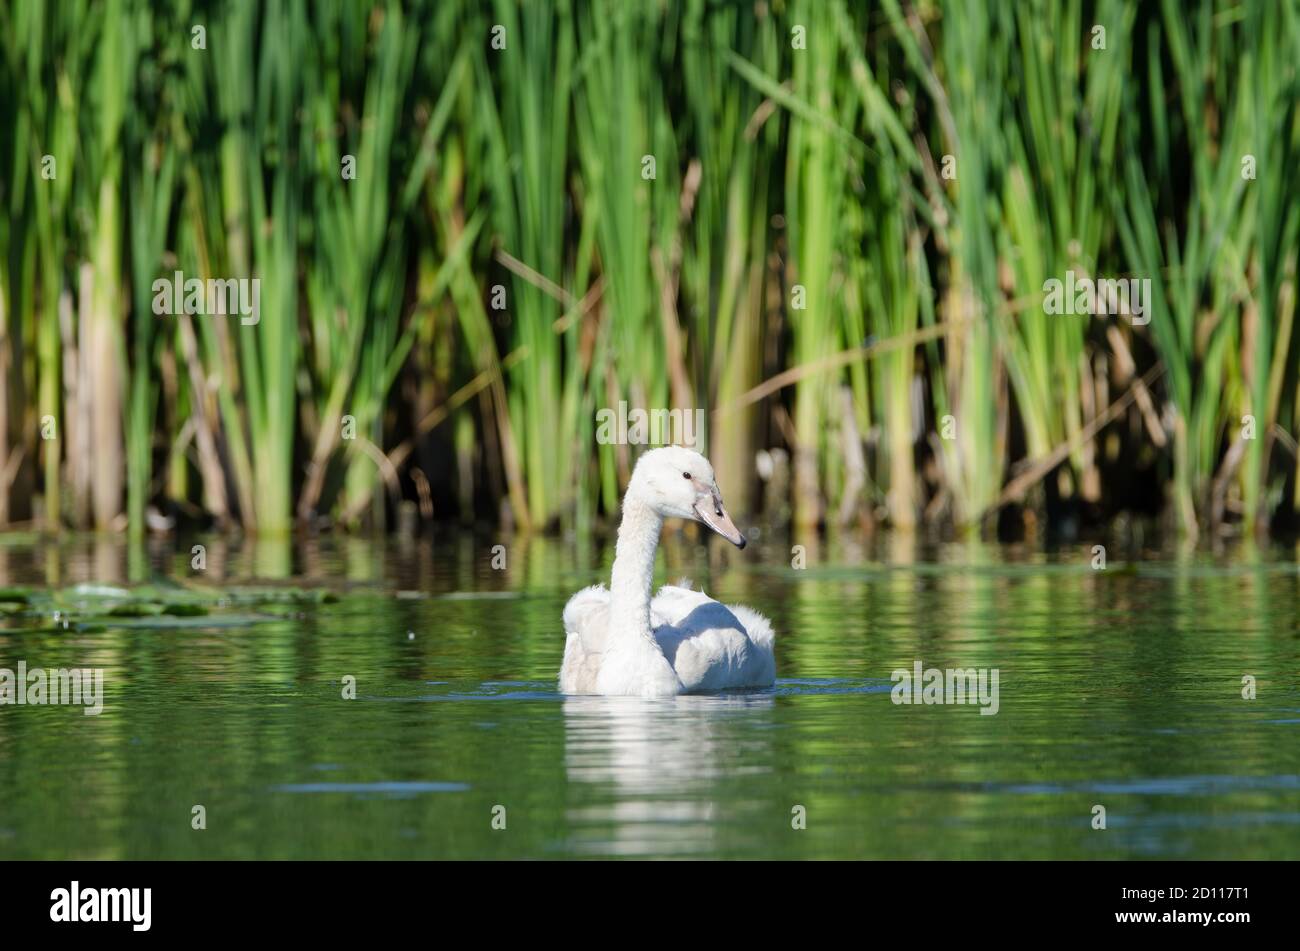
x=224 y=688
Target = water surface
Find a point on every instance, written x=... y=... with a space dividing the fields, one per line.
x=1120 y=688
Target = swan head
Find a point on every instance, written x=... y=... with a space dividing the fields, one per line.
x=678 y=483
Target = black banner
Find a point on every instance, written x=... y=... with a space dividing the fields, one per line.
x=1224 y=900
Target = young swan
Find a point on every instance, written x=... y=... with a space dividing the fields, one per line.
x=622 y=643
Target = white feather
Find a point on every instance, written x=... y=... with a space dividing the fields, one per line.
x=688 y=643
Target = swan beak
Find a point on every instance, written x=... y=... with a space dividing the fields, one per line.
x=709 y=510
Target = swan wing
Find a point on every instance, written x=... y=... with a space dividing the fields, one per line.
x=586 y=628
x=758 y=627
x=587 y=616
x=672 y=604
x=710 y=645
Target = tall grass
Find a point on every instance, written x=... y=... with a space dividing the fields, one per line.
x=828 y=224
x=722 y=251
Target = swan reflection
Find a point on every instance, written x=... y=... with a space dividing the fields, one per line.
x=647 y=776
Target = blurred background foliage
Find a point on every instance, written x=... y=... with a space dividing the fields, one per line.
x=840 y=255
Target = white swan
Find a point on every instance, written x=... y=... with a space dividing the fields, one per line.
x=622 y=643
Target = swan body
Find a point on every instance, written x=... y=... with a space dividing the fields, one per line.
x=621 y=642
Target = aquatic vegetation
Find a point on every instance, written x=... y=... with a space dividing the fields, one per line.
x=831 y=226
x=86 y=608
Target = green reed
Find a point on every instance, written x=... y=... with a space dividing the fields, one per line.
x=841 y=252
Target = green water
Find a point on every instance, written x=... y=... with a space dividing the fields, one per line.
x=1120 y=688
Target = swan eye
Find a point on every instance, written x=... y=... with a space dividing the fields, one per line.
x=686 y=475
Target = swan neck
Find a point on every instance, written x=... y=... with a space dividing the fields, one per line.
x=634 y=563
